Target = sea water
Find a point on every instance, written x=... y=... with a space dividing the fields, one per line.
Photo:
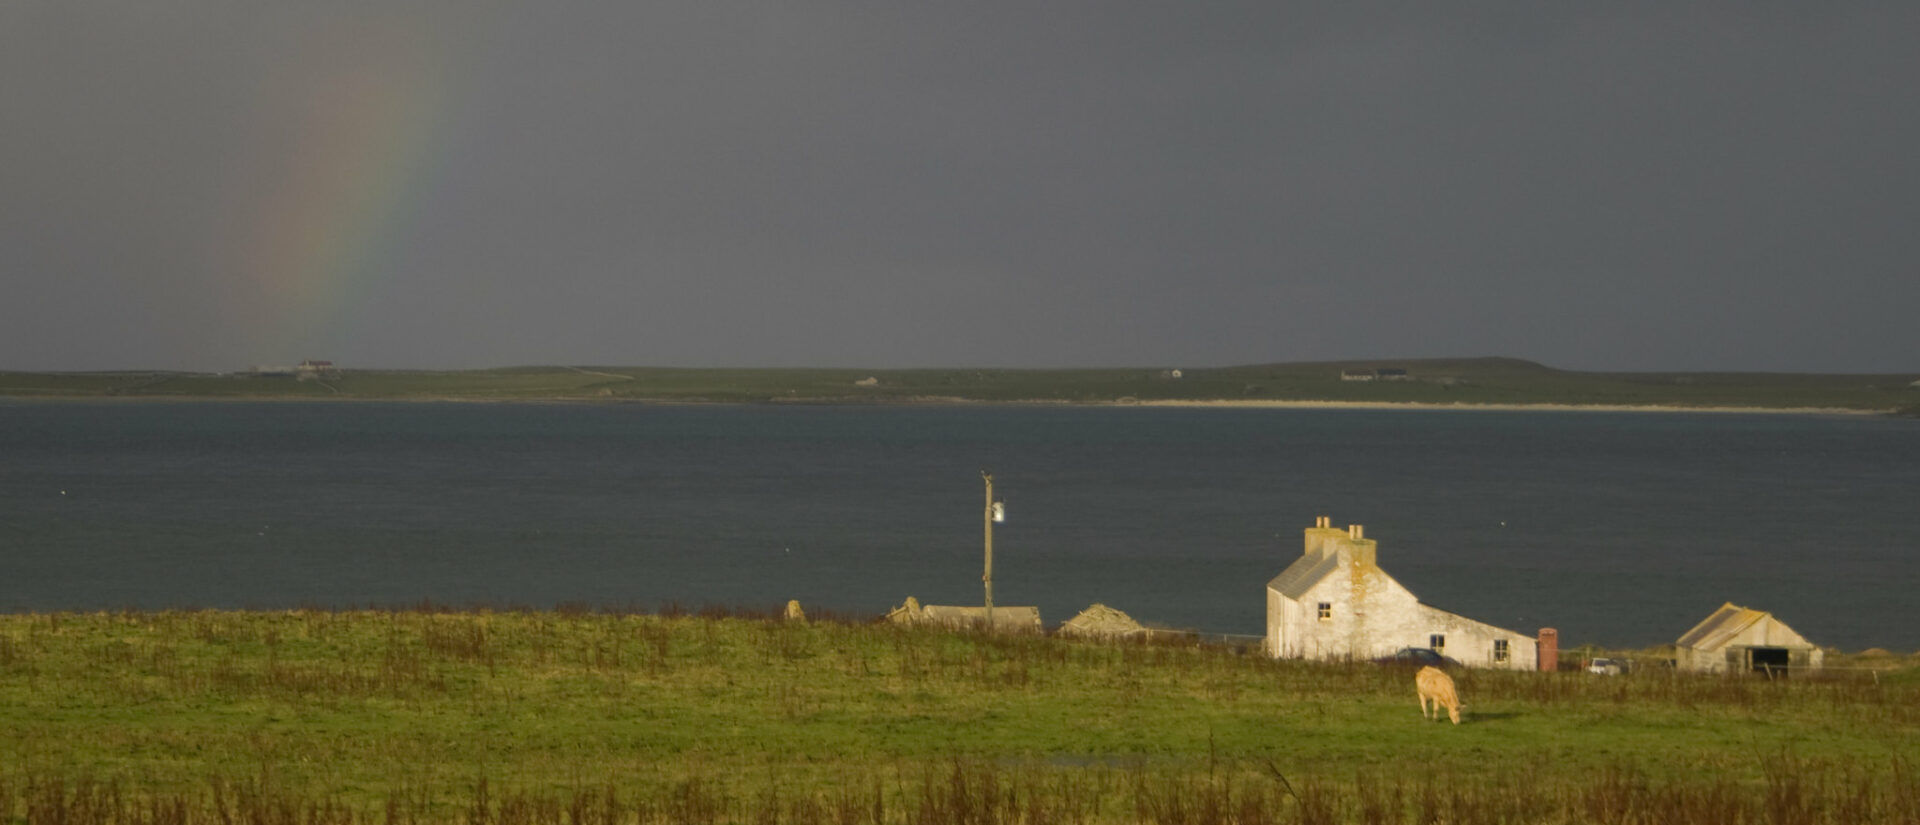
x=1620 y=529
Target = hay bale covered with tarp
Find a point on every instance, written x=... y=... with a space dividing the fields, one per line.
x=1102 y=622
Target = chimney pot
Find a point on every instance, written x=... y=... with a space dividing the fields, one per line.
x=1356 y=531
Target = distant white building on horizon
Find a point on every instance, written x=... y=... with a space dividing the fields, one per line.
x=315 y=369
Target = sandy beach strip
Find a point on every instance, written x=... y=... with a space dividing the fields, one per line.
x=1468 y=407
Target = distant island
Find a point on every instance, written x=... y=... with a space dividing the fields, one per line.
x=1442 y=382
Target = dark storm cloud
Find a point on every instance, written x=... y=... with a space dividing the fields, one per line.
x=1724 y=186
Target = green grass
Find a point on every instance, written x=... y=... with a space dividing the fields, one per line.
x=735 y=718
x=1432 y=381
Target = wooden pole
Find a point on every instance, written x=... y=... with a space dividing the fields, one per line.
x=987 y=578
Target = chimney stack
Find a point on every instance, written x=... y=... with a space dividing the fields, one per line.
x=1316 y=536
x=1549 y=649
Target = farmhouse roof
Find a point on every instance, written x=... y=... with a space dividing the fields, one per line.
x=1727 y=623
x=1305 y=572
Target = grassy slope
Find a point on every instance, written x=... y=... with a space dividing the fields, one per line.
x=1443 y=381
x=364 y=706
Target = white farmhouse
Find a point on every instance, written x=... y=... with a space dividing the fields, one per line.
x=1334 y=602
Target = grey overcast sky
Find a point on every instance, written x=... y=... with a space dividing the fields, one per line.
x=1638 y=186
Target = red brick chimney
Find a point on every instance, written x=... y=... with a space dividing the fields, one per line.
x=1548 y=648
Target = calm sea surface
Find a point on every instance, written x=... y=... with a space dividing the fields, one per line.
x=1617 y=528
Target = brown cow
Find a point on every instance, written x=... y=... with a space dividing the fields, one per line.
x=1435 y=686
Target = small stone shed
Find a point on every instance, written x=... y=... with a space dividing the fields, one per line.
x=1102 y=622
x=1743 y=640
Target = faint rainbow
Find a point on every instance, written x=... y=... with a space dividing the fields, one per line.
x=355 y=121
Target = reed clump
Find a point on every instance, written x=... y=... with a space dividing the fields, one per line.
x=960 y=792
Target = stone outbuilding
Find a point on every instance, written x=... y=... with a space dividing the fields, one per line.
x=1008 y=619
x=909 y=612
x=1743 y=640
x=1102 y=622
x=1334 y=602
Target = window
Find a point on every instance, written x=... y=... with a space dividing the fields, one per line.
x=1499 y=650
x=1326 y=611
x=1437 y=641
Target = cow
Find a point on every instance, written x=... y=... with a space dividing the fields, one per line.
x=1435 y=686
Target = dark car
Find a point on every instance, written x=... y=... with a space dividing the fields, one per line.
x=1417 y=657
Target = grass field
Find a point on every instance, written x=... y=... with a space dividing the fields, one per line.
x=577 y=716
x=1431 y=381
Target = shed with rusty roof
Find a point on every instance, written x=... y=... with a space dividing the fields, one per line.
x=1738 y=639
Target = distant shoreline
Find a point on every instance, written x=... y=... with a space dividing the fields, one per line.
x=1491 y=384
x=952 y=401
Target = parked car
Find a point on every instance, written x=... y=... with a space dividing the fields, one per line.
x=1417 y=657
x=1607 y=667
